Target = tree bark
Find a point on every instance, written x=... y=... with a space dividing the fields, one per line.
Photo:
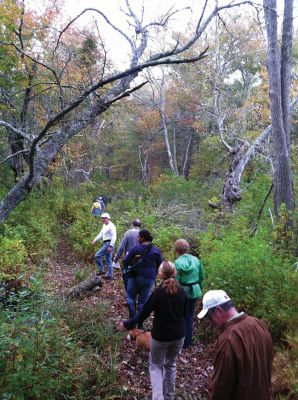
x=282 y=179
x=231 y=188
x=162 y=110
x=83 y=287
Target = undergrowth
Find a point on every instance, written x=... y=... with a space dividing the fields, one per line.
x=50 y=349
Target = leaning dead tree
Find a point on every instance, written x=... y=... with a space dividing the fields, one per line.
x=240 y=156
x=78 y=107
x=279 y=69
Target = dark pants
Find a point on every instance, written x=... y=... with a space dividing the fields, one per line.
x=138 y=288
x=125 y=280
x=191 y=304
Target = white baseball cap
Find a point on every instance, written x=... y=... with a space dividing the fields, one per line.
x=105 y=215
x=212 y=299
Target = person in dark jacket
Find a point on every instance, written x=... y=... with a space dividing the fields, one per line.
x=190 y=275
x=140 y=281
x=129 y=240
x=244 y=352
x=168 y=302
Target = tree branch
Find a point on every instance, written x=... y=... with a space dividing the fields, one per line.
x=19 y=132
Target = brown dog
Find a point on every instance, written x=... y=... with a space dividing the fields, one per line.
x=142 y=339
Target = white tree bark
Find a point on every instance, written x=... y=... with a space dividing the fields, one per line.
x=163 y=116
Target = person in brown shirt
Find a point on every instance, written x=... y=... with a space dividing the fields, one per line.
x=244 y=352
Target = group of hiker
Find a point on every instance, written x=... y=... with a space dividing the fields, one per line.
x=244 y=352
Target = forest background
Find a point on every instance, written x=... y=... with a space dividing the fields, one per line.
x=184 y=146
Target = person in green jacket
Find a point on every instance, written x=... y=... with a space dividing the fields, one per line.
x=190 y=275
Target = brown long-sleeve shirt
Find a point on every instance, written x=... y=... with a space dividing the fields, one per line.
x=243 y=361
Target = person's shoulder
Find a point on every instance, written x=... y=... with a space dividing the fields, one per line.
x=136 y=247
x=155 y=248
x=196 y=259
x=253 y=321
x=181 y=292
x=159 y=292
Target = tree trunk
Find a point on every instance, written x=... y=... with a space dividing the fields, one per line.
x=231 y=192
x=162 y=109
x=145 y=166
x=231 y=188
x=286 y=64
x=186 y=162
x=282 y=180
x=81 y=288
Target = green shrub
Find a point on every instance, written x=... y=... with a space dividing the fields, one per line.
x=165 y=238
x=259 y=281
x=36 y=353
x=35 y=224
x=12 y=258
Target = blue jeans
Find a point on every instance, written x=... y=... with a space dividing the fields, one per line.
x=138 y=287
x=103 y=251
x=191 y=304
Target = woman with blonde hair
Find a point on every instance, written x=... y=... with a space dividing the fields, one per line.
x=168 y=302
x=190 y=275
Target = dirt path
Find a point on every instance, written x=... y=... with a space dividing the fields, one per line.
x=193 y=366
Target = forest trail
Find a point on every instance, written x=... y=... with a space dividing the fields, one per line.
x=194 y=365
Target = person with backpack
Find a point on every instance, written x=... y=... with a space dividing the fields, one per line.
x=190 y=275
x=98 y=206
x=168 y=302
x=108 y=235
x=141 y=266
x=129 y=240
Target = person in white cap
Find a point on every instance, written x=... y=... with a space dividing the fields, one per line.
x=244 y=352
x=108 y=235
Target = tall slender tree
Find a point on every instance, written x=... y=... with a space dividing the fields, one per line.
x=279 y=72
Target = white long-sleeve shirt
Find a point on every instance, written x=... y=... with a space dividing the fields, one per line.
x=108 y=232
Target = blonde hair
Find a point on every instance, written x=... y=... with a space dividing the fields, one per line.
x=181 y=246
x=167 y=272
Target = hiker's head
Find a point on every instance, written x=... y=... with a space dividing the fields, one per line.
x=136 y=223
x=218 y=306
x=105 y=218
x=181 y=246
x=167 y=273
x=144 y=236
x=166 y=270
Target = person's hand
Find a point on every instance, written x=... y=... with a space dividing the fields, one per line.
x=93 y=242
x=110 y=249
x=120 y=327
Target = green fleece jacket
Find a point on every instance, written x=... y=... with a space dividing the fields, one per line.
x=189 y=270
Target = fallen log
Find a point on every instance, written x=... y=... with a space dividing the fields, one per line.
x=83 y=287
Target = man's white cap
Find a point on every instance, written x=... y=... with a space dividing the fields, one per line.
x=105 y=215
x=211 y=299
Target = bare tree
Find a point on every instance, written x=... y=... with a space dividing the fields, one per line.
x=240 y=157
x=73 y=113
